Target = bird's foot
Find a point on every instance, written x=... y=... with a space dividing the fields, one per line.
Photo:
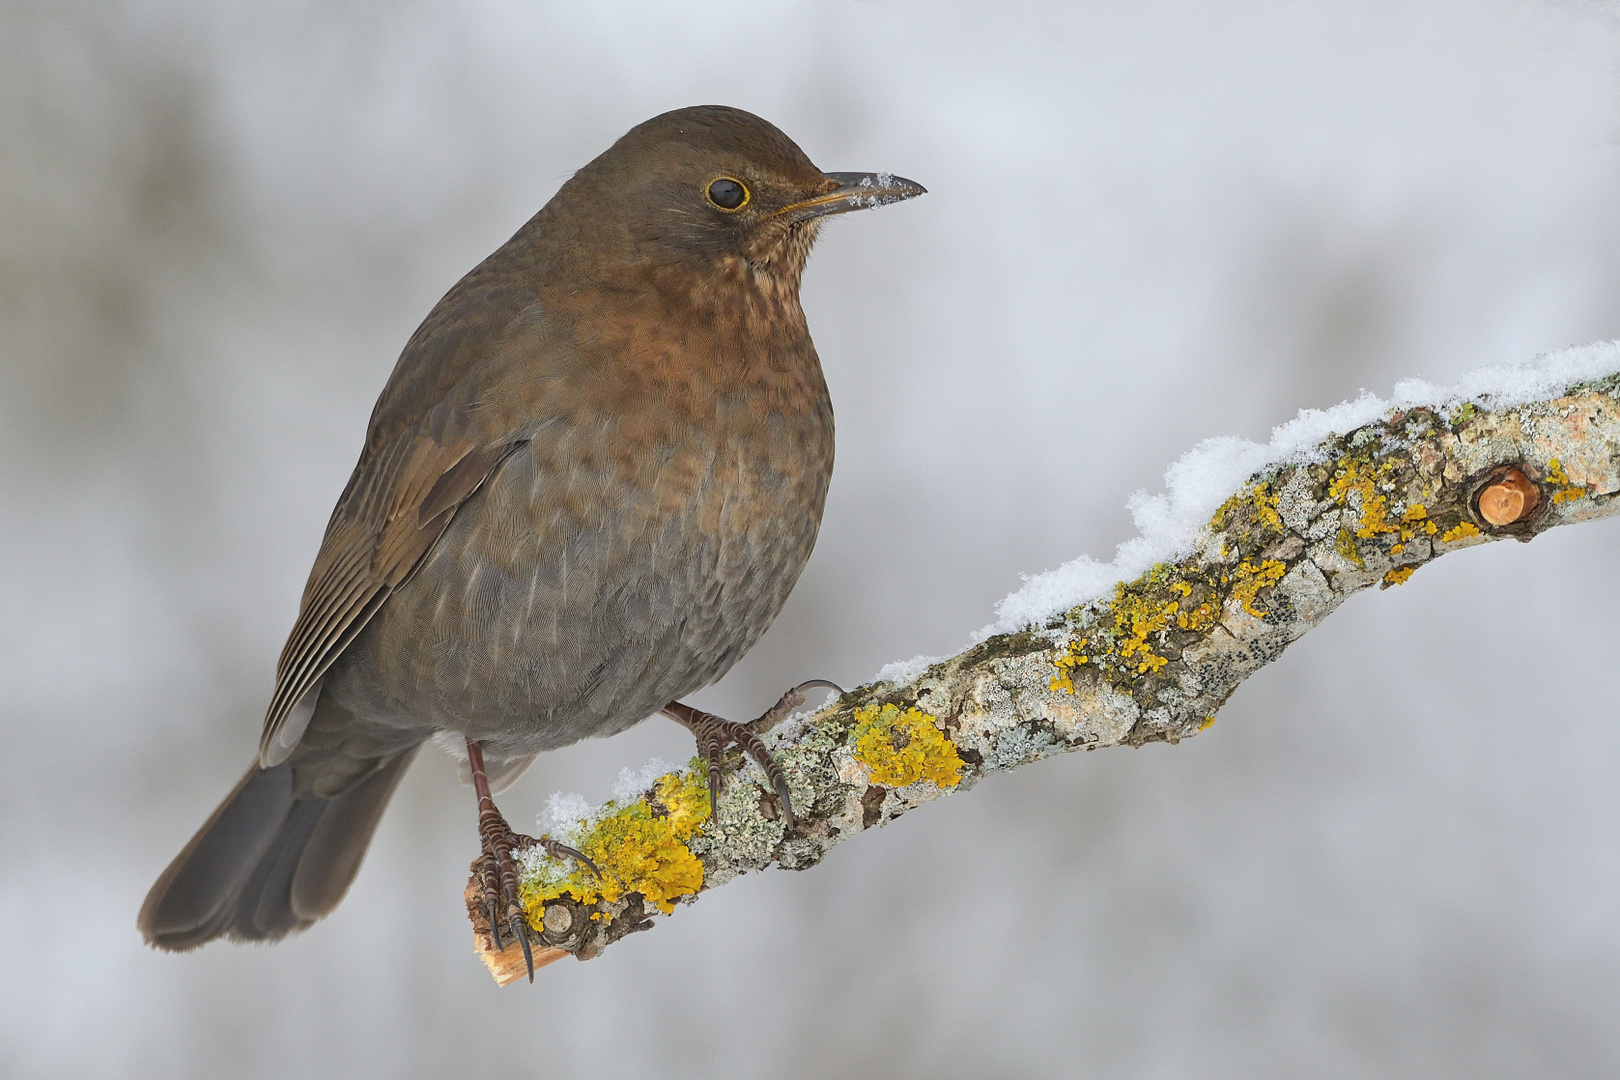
x=714 y=734
x=497 y=869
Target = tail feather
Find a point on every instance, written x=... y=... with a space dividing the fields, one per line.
x=274 y=857
x=337 y=844
x=264 y=911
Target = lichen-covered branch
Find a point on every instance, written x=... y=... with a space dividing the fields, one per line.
x=1154 y=661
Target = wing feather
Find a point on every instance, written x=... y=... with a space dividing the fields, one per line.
x=371 y=547
x=437 y=433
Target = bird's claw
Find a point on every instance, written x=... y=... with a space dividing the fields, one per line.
x=558 y=850
x=500 y=883
x=497 y=872
x=787 y=703
x=714 y=734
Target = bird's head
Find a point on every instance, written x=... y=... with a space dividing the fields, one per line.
x=715 y=189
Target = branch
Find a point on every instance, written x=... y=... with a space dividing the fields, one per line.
x=1134 y=661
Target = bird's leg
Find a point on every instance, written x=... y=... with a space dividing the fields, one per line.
x=714 y=734
x=495 y=867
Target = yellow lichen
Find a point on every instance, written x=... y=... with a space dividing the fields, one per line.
x=637 y=850
x=1345 y=544
x=1127 y=640
x=684 y=797
x=1460 y=531
x=1249 y=578
x=1198 y=618
x=1361 y=480
x=1140 y=616
x=1136 y=616
x=1399 y=575
x=1073 y=656
x=1416 y=520
x=903 y=747
x=1564 y=489
x=1355 y=486
x=1260 y=500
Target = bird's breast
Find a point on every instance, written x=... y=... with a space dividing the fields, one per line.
x=630 y=552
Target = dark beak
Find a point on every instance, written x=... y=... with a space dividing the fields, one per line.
x=857 y=191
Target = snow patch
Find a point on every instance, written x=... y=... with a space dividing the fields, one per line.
x=570 y=815
x=633 y=783
x=903 y=671
x=566 y=813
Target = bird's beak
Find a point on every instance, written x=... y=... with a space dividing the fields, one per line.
x=856 y=191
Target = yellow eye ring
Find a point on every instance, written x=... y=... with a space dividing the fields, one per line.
x=727 y=193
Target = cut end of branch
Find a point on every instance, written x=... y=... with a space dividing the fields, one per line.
x=505 y=965
x=1507 y=498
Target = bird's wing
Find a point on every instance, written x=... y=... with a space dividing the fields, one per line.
x=396 y=507
x=430 y=444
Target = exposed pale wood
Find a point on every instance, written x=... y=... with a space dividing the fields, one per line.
x=507 y=964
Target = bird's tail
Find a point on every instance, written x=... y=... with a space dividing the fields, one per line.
x=280 y=851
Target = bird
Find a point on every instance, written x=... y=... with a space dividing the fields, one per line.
x=590 y=483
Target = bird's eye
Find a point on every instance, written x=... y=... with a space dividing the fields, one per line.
x=728 y=194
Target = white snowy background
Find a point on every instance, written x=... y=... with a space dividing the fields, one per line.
x=1396 y=853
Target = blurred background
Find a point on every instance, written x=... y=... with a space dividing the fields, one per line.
x=1394 y=854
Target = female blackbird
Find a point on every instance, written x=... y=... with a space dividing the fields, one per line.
x=586 y=490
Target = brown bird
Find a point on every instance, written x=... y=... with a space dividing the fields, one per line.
x=586 y=490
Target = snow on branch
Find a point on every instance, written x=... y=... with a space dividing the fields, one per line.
x=1249 y=547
